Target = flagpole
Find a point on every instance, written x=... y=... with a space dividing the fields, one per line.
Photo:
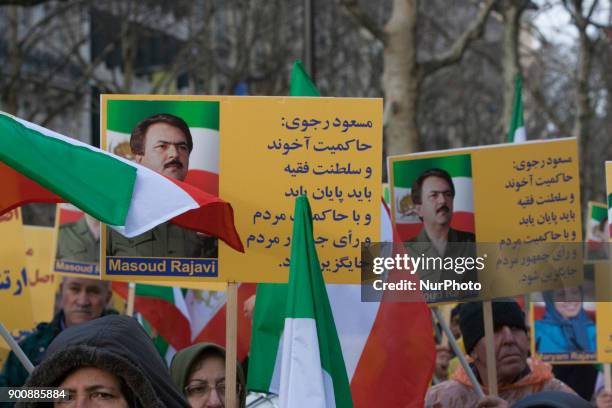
x=231 y=323
x=487 y=309
x=453 y=342
x=129 y=307
x=16 y=349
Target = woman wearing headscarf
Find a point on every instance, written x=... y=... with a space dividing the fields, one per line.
x=109 y=362
x=565 y=326
x=199 y=371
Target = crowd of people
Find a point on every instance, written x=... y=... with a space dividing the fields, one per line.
x=522 y=379
x=107 y=360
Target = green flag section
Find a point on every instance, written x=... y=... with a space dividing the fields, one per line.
x=301 y=84
x=198 y=114
x=98 y=184
x=309 y=370
x=516 y=131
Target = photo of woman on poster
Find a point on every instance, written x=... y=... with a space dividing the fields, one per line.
x=565 y=326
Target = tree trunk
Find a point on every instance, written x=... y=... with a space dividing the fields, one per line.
x=401 y=79
x=583 y=111
x=512 y=12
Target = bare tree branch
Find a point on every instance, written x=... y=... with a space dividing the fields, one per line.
x=456 y=51
x=364 y=20
x=551 y=113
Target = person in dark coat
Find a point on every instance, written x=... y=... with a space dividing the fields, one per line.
x=118 y=347
x=81 y=300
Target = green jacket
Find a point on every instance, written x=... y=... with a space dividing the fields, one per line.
x=75 y=243
x=13 y=373
x=165 y=240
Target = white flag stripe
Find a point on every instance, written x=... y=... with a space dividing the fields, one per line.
x=520 y=135
x=205 y=154
x=154 y=198
x=299 y=388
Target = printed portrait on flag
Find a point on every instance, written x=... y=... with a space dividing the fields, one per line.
x=565 y=323
x=178 y=139
x=77 y=249
x=597 y=230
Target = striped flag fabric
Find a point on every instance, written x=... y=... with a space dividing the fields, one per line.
x=405 y=172
x=376 y=350
x=309 y=370
x=40 y=165
x=517 y=132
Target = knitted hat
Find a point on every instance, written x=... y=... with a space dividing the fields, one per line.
x=506 y=312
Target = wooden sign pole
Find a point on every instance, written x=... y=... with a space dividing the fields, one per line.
x=453 y=343
x=129 y=307
x=231 y=337
x=487 y=310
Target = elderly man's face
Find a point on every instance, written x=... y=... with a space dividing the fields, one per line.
x=437 y=202
x=165 y=151
x=511 y=350
x=83 y=299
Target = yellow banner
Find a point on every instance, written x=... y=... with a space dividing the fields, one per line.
x=14 y=282
x=521 y=202
x=270 y=150
x=274 y=149
x=43 y=283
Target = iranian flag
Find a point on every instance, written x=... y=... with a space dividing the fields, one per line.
x=309 y=370
x=516 y=131
x=405 y=172
x=39 y=165
x=598 y=213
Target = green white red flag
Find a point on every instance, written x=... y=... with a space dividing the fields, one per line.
x=517 y=132
x=39 y=165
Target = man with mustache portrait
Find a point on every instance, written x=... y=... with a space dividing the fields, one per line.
x=433 y=193
x=163 y=143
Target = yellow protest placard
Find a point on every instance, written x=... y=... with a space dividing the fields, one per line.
x=14 y=289
x=520 y=203
x=42 y=282
x=266 y=152
x=325 y=148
